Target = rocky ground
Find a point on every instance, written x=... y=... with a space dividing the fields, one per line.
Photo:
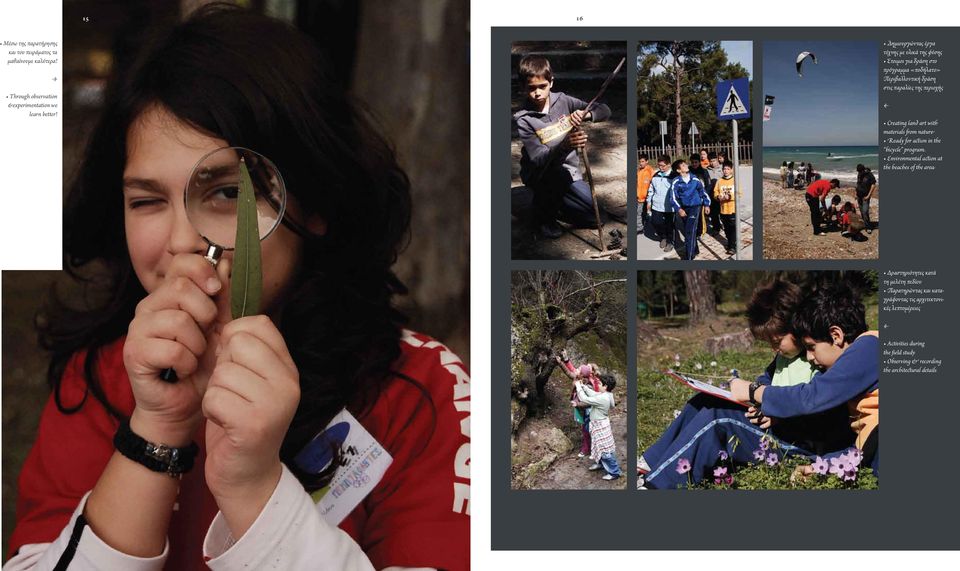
x=787 y=233
x=545 y=448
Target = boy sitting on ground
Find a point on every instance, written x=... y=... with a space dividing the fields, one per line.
x=851 y=224
x=549 y=129
x=832 y=325
x=704 y=427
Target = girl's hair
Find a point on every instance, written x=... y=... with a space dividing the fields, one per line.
x=258 y=83
x=771 y=309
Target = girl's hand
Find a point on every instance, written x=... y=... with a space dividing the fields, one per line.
x=170 y=330
x=250 y=400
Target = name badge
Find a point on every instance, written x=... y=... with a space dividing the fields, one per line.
x=363 y=462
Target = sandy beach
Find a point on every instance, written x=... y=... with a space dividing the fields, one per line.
x=787 y=233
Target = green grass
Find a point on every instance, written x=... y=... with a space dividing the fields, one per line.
x=658 y=396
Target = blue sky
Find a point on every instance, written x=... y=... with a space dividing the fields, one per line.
x=834 y=103
x=740 y=52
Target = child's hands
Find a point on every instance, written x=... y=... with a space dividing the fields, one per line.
x=170 y=329
x=706 y=209
x=683 y=213
x=740 y=389
x=576 y=139
x=578 y=117
x=758 y=418
x=250 y=400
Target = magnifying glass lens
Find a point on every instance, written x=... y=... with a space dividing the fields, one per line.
x=214 y=187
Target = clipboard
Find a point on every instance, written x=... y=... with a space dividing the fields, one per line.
x=703 y=387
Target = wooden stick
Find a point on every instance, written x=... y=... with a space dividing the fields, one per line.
x=581 y=152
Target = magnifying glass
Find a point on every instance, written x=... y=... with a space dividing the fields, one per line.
x=210 y=199
x=212 y=191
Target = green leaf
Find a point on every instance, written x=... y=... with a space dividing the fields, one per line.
x=246 y=281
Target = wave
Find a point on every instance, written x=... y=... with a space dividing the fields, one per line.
x=846 y=176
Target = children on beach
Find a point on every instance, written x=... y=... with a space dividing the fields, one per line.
x=866 y=188
x=549 y=128
x=783 y=174
x=816 y=197
x=603 y=450
x=851 y=224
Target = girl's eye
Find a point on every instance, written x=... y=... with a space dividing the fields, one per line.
x=136 y=203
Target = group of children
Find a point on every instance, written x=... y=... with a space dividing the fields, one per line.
x=678 y=196
x=804 y=175
x=817 y=398
x=592 y=400
x=835 y=216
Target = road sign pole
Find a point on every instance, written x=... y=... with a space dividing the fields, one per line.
x=736 y=191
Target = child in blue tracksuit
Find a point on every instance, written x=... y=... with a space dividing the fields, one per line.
x=689 y=196
x=660 y=201
x=706 y=425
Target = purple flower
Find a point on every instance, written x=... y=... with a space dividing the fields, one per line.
x=759 y=455
x=820 y=466
x=764 y=444
x=723 y=455
x=850 y=474
x=683 y=466
x=772 y=459
x=854 y=455
x=838 y=465
x=720 y=471
x=728 y=480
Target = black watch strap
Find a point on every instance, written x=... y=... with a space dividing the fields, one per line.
x=753 y=390
x=156 y=457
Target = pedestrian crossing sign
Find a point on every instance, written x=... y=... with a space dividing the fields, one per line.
x=733 y=99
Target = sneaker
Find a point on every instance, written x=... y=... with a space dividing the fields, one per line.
x=596 y=466
x=551 y=230
x=610 y=477
x=669 y=247
x=642 y=466
x=641 y=483
x=580 y=455
x=731 y=251
x=663 y=244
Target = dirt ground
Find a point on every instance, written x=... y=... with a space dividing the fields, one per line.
x=567 y=472
x=607 y=153
x=787 y=233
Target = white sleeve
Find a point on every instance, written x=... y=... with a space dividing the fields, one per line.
x=91 y=552
x=288 y=534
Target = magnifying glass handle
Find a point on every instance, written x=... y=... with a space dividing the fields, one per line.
x=212 y=255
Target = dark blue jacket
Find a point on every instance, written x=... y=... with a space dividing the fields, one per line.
x=689 y=193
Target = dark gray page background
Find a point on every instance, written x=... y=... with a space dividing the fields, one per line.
x=918 y=498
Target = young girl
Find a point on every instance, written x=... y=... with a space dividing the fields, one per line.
x=581 y=412
x=217 y=468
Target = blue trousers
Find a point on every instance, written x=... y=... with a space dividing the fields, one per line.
x=690 y=231
x=609 y=462
x=706 y=426
x=557 y=195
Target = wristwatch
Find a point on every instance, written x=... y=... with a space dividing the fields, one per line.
x=157 y=457
x=753 y=389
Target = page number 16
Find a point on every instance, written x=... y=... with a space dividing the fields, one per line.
x=579 y=18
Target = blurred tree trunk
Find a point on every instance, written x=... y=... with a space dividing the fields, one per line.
x=703 y=304
x=412 y=73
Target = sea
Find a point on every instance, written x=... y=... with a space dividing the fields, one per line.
x=831 y=162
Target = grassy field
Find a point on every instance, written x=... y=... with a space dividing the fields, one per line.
x=659 y=398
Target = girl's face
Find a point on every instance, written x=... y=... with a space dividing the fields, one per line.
x=787 y=346
x=161 y=153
